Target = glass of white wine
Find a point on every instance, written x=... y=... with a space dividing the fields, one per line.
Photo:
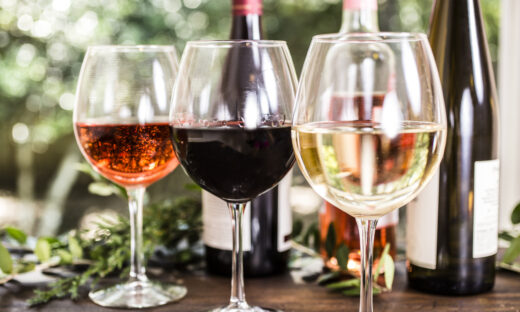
x=369 y=127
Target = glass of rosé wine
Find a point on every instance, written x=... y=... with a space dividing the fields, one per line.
x=121 y=126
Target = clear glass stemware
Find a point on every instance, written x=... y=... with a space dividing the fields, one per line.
x=121 y=126
x=231 y=127
x=369 y=127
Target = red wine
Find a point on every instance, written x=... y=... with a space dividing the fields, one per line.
x=266 y=246
x=234 y=163
x=128 y=154
x=452 y=228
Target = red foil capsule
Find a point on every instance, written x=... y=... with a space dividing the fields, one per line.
x=247 y=7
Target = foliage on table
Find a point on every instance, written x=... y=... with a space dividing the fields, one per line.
x=105 y=250
x=512 y=253
x=342 y=280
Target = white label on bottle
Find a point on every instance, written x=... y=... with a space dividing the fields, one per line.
x=217 y=223
x=421 y=226
x=485 y=208
x=284 y=214
x=389 y=219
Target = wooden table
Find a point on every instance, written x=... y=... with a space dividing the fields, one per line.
x=282 y=293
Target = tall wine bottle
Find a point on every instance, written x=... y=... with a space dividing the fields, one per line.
x=452 y=225
x=267 y=222
x=358 y=16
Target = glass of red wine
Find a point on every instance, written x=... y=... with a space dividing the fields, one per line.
x=121 y=126
x=369 y=127
x=231 y=127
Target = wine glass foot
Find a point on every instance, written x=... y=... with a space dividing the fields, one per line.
x=138 y=294
x=234 y=308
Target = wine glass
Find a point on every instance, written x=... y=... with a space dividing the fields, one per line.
x=121 y=126
x=231 y=127
x=369 y=127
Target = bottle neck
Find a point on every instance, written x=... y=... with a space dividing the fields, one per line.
x=359 y=16
x=247 y=19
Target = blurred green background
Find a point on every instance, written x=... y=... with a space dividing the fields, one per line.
x=42 y=43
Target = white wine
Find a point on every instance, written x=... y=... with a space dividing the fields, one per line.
x=364 y=168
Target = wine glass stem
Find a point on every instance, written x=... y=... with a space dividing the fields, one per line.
x=135 y=205
x=238 y=296
x=367 y=229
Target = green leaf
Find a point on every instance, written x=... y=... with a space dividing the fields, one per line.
x=515 y=216
x=330 y=241
x=342 y=256
x=354 y=282
x=312 y=237
x=75 y=248
x=316 y=238
x=512 y=252
x=6 y=262
x=85 y=168
x=297 y=228
x=25 y=267
x=324 y=278
x=102 y=189
x=378 y=266
x=389 y=270
x=65 y=256
x=43 y=250
x=53 y=241
x=192 y=187
x=505 y=236
x=16 y=234
x=352 y=292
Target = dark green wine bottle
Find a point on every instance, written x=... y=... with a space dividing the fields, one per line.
x=452 y=225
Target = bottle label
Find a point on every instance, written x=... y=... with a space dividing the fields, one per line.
x=421 y=226
x=354 y=5
x=485 y=208
x=284 y=214
x=246 y=7
x=217 y=227
x=389 y=219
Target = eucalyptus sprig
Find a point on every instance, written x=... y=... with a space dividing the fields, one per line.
x=348 y=283
x=174 y=225
x=109 y=251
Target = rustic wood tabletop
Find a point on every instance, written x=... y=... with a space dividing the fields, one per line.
x=282 y=293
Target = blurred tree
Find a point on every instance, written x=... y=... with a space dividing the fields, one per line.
x=42 y=43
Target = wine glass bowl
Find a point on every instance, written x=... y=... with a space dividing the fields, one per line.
x=369 y=126
x=366 y=148
x=121 y=127
x=231 y=127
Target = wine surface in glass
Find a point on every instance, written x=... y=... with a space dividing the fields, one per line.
x=234 y=163
x=362 y=169
x=128 y=154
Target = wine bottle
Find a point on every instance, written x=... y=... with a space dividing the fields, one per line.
x=267 y=222
x=452 y=225
x=358 y=16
